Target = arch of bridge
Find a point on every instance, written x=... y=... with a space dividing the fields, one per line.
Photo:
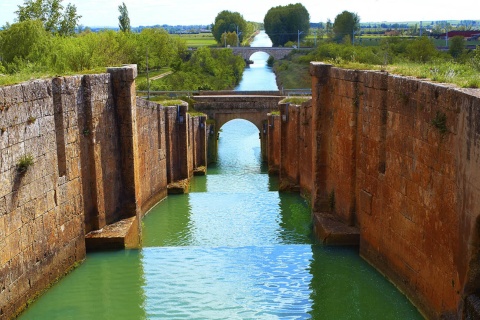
x=225 y=108
x=247 y=52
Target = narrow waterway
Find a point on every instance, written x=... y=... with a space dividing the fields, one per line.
x=234 y=248
x=258 y=76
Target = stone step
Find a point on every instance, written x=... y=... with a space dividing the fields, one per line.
x=331 y=231
x=123 y=234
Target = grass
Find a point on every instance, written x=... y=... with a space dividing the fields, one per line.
x=30 y=75
x=198 y=40
x=167 y=102
x=292 y=75
x=295 y=100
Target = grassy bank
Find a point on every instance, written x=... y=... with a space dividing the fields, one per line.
x=417 y=58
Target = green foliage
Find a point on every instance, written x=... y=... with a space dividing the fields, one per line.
x=24 y=163
x=27 y=48
x=229 y=39
x=344 y=25
x=331 y=201
x=340 y=52
x=283 y=23
x=270 y=61
x=22 y=43
x=51 y=14
x=206 y=69
x=295 y=100
x=69 y=21
x=229 y=22
x=457 y=46
x=475 y=59
x=421 y=49
x=440 y=122
x=123 y=19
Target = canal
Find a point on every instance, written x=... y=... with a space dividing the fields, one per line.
x=233 y=248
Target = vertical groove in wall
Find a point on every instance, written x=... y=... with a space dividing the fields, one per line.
x=90 y=192
x=159 y=127
x=382 y=162
x=356 y=104
x=59 y=126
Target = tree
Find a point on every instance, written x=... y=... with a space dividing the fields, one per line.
x=50 y=12
x=457 y=46
x=287 y=23
x=123 y=19
x=69 y=21
x=24 y=41
x=345 y=24
x=421 y=50
x=227 y=21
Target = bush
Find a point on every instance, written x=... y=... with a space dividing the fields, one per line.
x=421 y=50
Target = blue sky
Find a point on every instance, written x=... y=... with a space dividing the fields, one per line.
x=189 y=12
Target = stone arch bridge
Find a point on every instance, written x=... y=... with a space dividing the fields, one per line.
x=247 y=52
x=224 y=106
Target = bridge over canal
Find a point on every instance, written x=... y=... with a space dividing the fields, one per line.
x=247 y=52
x=223 y=106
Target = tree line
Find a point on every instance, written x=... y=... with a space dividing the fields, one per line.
x=43 y=41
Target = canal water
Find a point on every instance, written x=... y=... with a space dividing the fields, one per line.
x=233 y=248
x=258 y=76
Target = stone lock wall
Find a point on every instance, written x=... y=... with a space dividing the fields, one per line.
x=98 y=156
x=273 y=144
x=41 y=209
x=294 y=147
x=152 y=152
x=400 y=155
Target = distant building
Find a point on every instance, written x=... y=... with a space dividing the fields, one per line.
x=468 y=35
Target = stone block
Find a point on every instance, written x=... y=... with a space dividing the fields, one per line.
x=120 y=235
x=329 y=230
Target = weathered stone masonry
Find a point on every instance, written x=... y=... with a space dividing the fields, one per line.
x=99 y=156
x=402 y=159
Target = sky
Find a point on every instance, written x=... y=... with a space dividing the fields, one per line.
x=97 y=13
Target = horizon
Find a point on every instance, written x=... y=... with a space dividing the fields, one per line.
x=153 y=12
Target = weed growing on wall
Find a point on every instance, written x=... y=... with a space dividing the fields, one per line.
x=24 y=163
x=331 y=201
x=31 y=120
x=440 y=122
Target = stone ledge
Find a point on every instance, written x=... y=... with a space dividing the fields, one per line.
x=123 y=234
x=200 y=171
x=329 y=230
x=178 y=187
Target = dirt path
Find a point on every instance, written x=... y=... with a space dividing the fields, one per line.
x=161 y=75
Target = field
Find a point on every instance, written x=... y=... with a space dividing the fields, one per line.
x=197 y=40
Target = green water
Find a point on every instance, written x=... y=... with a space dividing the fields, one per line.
x=234 y=248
